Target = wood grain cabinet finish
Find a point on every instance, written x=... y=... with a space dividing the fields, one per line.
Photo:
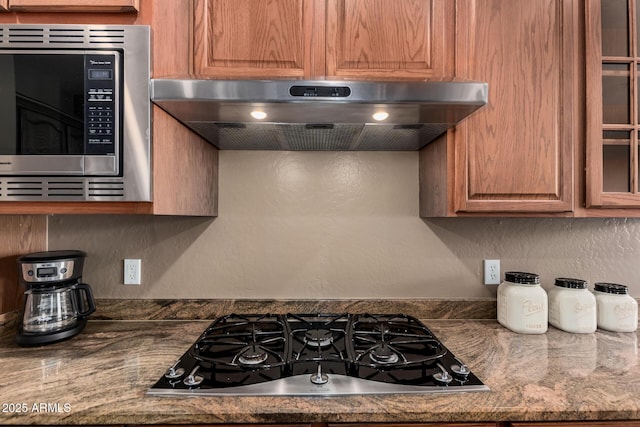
x=324 y=424
x=412 y=39
x=256 y=38
x=578 y=424
x=20 y=235
x=411 y=425
x=612 y=104
x=515 y=154
x=73 y=5
x=356 y=39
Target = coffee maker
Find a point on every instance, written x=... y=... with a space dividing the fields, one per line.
x=56 y=302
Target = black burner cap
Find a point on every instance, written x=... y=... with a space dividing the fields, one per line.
x=319 y=337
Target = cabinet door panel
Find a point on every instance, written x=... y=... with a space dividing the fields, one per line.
x=369 y=38
x=613 y=104
x=578 y=424
x=515 y=154
x=256 y=38
x=4 y=5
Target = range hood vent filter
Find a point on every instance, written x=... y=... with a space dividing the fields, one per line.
x=335 y=137
x=320 y=136
x=331 y=116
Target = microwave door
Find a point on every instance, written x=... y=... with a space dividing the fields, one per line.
x=57 y=114
x=75 y=113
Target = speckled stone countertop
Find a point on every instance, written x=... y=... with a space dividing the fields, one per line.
x=101 y=376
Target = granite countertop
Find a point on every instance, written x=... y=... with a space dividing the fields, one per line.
x=101 y=376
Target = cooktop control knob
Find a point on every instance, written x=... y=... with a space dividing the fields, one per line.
x=319 y=377
x=194 y=379
x=443 y=376
x=174 y=372
x=460 y=371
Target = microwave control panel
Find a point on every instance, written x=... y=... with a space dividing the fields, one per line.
x=101 y=76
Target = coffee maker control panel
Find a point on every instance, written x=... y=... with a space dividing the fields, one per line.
x=51 y=268
x=48 y=272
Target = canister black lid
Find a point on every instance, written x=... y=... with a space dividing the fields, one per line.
x=611 y=288
x=522 y=278
x=565 y=282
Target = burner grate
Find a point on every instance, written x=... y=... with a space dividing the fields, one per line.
x=250 y=342
x=319 y=338
x=397 y=341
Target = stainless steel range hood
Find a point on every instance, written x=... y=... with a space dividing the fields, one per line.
x=318 y=114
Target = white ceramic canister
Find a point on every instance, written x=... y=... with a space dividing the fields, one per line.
x=522 y=303
x=572 y=307
x=617 y=310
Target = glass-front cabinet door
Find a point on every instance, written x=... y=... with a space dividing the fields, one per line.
x=613 y=103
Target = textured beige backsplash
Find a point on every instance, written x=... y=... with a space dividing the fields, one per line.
x=333 y=225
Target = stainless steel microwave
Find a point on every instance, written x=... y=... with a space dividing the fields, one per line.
x=75 y=113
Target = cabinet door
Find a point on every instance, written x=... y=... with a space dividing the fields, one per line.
x=613 y=101
x=73 y=5
x=515 y=154
x=259 y=38
x=383 y=39
x=4 y=5
x=578 y=424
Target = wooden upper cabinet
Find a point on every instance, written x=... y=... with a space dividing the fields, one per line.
x=256 y=38
x=577 y=424
x=73 y=5
x=514 y=154
x=4 y=5
x=355 y=39
x=612 y=41
x=377 y=39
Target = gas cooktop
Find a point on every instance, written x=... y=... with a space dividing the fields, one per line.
x=316 y=354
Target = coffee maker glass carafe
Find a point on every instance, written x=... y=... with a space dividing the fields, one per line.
x=56 y=302
x=54 y=309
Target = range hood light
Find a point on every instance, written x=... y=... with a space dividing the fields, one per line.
x=380 y=116
x=258 y=115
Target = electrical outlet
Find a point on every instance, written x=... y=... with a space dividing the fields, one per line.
x=132 y=273
x=491 y=271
